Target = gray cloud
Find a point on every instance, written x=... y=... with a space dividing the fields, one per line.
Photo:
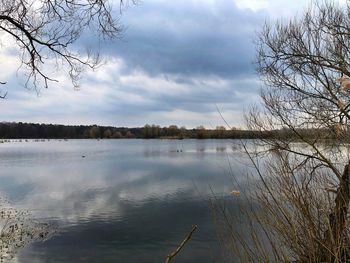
x=175 y=63
x=189 y=38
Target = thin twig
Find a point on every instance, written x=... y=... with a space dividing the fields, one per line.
x=183 y=243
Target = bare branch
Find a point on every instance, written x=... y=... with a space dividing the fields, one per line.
x=183 y=243
x=46 y=32
x=305 y=67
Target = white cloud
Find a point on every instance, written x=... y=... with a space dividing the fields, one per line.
x=175 y=64
x=277 y=8
x=254 y=5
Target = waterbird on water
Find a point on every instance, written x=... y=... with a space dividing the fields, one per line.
x=235 y=193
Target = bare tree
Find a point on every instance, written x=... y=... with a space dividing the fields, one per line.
x=45 y=32
x=303 y=165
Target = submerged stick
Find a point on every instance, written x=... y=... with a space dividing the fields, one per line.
x=183 y=243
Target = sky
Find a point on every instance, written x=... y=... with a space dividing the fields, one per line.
x=178 y=62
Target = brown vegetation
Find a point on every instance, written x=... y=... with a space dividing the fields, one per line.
x=299 y=209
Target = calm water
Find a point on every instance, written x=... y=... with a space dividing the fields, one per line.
x=125 y=201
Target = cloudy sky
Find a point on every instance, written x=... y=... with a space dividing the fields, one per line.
x=177 y=62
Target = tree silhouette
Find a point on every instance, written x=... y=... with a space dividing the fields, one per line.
x=304 y=193
x=45 y=32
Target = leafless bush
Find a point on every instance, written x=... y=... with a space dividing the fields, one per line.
x=299 y=212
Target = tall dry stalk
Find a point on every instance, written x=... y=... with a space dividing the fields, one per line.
x=299 y=210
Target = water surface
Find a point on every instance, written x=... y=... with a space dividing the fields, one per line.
x=119 y=200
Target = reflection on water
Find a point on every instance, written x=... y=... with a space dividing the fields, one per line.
x=118 y=200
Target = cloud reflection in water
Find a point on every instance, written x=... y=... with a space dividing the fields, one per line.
x=127 y=201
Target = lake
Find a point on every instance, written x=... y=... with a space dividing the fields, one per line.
x=119 y=200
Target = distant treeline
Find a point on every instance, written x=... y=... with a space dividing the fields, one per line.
x=19 y=130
